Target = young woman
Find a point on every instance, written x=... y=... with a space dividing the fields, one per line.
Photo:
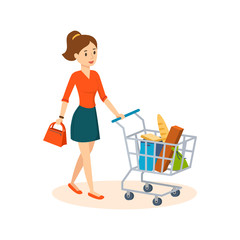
x=84 y=125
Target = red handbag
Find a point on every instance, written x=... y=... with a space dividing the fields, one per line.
x=56 y=136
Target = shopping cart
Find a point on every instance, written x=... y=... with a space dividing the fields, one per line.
x=186 y=147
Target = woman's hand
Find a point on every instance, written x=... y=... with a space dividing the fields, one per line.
x=59 y=121
x=120 y=116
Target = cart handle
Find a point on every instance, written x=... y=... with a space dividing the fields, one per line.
x=126 y=115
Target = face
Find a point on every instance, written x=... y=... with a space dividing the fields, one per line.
x=87 y=56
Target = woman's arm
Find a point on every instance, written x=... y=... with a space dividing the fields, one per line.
x=68 y=91
x=113 y=109
x=62 y=113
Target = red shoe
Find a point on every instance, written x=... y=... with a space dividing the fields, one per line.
x=94 y=196
x=72 y=188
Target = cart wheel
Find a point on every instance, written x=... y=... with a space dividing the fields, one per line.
x=148 y=188
x=157 y=201
x=129 y=196
x=175 y=194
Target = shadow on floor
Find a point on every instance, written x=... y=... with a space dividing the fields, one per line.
x=114 y=196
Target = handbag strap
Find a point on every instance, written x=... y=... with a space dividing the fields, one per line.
x=63 y=127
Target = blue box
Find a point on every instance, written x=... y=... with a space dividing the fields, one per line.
x=150 y=149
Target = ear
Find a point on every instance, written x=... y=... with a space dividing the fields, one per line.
x=76 y=55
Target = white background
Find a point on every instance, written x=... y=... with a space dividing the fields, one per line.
x=177 y=58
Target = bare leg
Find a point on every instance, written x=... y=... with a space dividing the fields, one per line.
x=77 y=169
x=91 y=145
x=79 y=166
x=85 y=150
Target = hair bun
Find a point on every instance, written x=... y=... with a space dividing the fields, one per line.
x=75 y=34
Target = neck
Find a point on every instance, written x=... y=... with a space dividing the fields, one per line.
x=85 y=69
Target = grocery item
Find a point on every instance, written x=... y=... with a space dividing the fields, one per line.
x=162 y=127
x=151 y=137
x=150 y=151
x=178 y=161
x=172 y=137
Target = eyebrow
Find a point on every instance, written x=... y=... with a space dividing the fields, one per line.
x=93 y=49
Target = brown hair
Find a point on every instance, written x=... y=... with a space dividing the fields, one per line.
x=75 y=43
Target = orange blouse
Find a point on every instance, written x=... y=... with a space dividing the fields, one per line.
x=86 y=88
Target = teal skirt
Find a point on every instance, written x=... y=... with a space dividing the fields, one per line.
x=84 y=126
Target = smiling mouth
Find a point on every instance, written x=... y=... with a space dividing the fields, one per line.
x=91 y=62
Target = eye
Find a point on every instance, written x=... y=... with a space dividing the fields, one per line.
x=85 y=54
x=94 y=52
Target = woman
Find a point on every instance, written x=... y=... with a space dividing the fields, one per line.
x=84 y=125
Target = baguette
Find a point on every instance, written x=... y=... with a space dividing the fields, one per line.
x=162 y=127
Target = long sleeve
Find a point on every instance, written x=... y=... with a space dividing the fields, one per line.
x=69 y=89
x=101 y=91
